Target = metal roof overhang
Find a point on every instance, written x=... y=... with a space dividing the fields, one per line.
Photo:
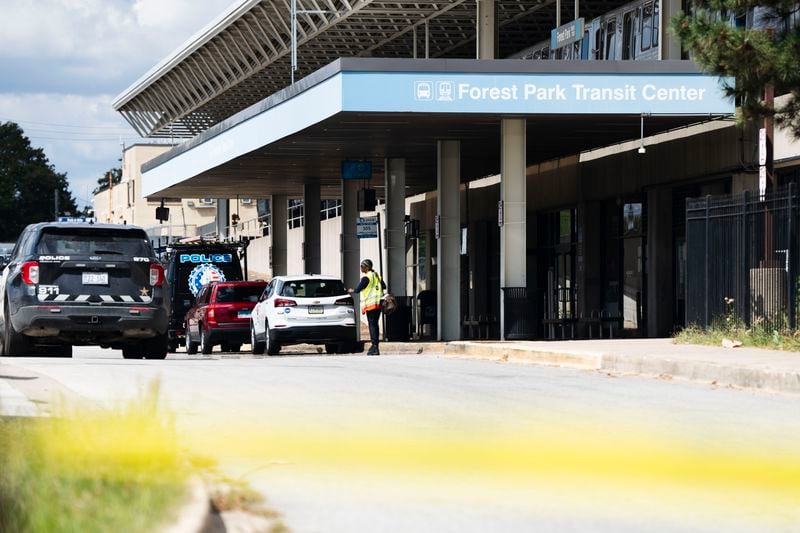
x=244 y=54
x=367 y=109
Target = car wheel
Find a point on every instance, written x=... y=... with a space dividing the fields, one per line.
x=60 y=351
x=131 y=352
x=256 y=346
x=191 y=346
x=272 y=347
x=156 y=348
x=13 y=343
x=331 y=349
x=205 y=341
x=172 y=346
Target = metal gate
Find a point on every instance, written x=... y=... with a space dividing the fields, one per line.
x=742 y=260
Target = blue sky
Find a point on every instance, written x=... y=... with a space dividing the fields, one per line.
x=64 y=61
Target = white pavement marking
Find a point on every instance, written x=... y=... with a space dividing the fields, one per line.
x=14 y=403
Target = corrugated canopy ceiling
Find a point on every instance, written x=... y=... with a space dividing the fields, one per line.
x=245 y=55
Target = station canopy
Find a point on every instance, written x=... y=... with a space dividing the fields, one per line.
x=245 y=54
x=365 y=90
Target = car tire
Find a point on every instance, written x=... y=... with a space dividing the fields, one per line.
x=191 y=346
x=172 y=346
x=234 y=347
x=60 y=351
x=272 y=347
x=205 y=341
x=256 y=346
x=131 y=352
x=331 y=349
x=14 y=343
x=156 y=348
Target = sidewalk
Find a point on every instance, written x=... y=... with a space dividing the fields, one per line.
x=750 y=368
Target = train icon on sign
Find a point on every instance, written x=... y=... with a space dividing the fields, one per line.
x=444 y=91
x=423 y=90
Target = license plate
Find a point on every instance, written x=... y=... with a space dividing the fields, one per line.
x=315 y=310
x=95 y=278
x=244 y=314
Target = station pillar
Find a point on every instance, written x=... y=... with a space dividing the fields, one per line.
x=487 y=30
x=311 y=229
x=513 y=233
x=395 y=226
x=278 y=232
x=448 y=244
x=350 y=246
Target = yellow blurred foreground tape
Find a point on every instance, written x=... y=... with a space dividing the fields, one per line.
x=587 y=465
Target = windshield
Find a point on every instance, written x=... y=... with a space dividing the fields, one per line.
x=239 y=293
x=54 y=241
x=313 y=288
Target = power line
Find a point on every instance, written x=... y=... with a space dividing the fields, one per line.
x=79 y=139
x=120 y=128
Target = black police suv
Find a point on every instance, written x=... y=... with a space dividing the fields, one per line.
x=189 y=266
x=69 y=284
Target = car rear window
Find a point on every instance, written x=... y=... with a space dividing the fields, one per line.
x=239 y=293
x=72 y=241
x=313 y=288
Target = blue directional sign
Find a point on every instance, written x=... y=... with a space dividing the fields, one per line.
x=356 y=170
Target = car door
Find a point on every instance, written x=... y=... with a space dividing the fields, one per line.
x=195 y=314
x=259 y=317
x=8 y=270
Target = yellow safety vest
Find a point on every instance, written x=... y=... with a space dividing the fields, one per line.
x=372 y=293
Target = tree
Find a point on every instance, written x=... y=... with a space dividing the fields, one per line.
x=767 y=54
x=102 y=182
x=27 y=184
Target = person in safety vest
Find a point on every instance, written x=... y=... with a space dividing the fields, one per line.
x=370 y=290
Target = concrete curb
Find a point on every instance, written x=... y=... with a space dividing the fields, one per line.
x=737 y=376
x=767 y=379
x=196 y=514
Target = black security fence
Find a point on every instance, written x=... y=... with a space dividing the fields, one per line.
x=741 y=260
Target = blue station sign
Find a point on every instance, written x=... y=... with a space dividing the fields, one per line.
x=566 y=33
x=535 y=93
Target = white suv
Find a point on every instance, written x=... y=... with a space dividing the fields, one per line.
x=308 y=309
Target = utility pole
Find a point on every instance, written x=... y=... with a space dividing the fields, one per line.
x=55 y=206
x=110 y=197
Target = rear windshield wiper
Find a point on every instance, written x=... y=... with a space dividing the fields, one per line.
x=114 y=252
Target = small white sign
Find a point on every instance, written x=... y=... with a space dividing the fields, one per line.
x=762 y=181
x=762 y=146
x=367 y=227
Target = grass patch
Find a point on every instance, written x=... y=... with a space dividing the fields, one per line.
x=752 y=337
x=92 y=471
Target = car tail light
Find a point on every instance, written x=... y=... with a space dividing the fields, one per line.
x=156 y=275
x=282 y=302
x=345 y=301
x=211 y=316
x=30 y=272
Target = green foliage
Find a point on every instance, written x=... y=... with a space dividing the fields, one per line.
x=27 y=184
x=756 y=337
x=102 y=182
x=91 y=471
x=754 y=57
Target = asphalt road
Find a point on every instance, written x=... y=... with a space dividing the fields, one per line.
x=428 y=443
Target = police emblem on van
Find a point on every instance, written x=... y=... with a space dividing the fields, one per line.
x=53 y=258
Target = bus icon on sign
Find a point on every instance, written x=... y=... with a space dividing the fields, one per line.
x=424 y=90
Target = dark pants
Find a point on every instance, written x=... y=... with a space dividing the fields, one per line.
x=373 y=317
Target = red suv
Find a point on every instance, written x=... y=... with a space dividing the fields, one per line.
x=221 y=315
